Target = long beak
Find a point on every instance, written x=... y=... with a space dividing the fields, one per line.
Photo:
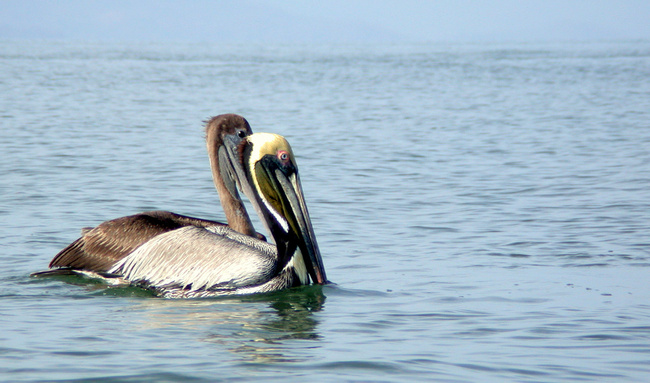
x=230 y=166
x=279 y=200
x=273 y=187
x=295 y=211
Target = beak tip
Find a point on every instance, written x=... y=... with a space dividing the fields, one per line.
x=321 y=279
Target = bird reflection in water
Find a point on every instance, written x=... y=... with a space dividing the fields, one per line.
x=289 y=317
x=259 y=328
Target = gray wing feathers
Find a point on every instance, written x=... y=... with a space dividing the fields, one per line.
x=100 y=248
x=200 y=258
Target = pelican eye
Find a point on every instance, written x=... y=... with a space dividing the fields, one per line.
x=283 y=155
x=241 y=133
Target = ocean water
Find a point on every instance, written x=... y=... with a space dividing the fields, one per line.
x=484 y=210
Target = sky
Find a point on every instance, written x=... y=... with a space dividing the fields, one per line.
x=325 y=21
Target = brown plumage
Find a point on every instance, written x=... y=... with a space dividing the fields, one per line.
x=99 y=248
x=178 y=256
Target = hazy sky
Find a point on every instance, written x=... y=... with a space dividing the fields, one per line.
x=325 y=20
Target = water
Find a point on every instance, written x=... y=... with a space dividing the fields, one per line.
x=483 y=210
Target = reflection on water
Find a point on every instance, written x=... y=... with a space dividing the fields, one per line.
x=294 y=308
x=263 y=340
x=255 y=328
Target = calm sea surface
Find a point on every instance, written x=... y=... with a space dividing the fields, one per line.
x=484 y=210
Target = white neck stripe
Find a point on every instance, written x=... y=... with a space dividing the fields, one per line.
x=283 y=222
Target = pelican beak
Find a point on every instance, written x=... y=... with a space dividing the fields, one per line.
x=273 y=186
x=293 y=208
x=229 y=164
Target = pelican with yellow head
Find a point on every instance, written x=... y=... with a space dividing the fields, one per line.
x=202 y=260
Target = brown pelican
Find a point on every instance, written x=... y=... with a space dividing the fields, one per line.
x=188 y=257
x=100 y=247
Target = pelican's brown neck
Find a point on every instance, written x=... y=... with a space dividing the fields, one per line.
x=232 y=204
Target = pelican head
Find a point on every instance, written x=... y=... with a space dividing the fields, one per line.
x=224 y=133
x=269 y=177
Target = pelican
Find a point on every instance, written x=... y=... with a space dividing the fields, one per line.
x=178 y=256
x=100 y=247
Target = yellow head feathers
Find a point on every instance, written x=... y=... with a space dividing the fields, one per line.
x=268 y=144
